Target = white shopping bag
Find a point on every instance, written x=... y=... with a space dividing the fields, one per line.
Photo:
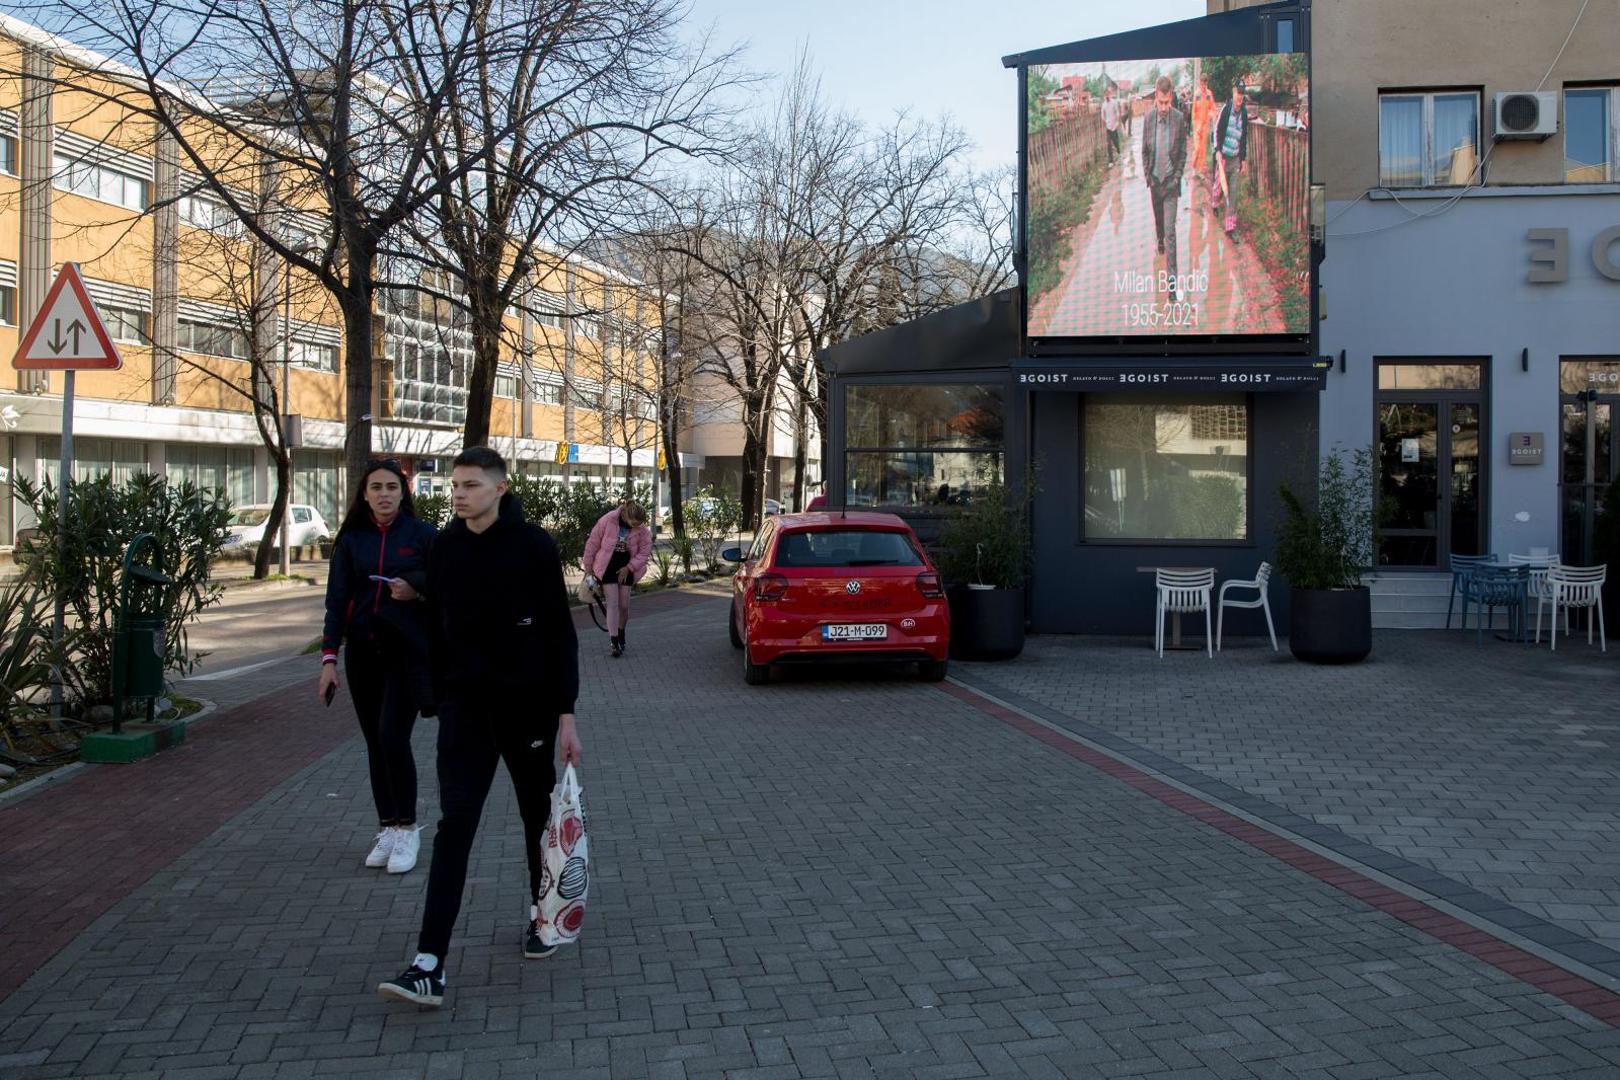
x=566 y=876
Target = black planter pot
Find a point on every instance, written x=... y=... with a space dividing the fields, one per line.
x=986 y=624
x=1330 y=626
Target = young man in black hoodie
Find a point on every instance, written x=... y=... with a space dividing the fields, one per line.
x=506 y=666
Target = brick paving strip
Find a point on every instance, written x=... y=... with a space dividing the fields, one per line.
x=1591 y=998
x=78 y=846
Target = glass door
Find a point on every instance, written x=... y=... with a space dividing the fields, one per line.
x=1431 y=471
x=1409 y=478
x=1589 y=451
x=1587 y=469
x=1464 y=512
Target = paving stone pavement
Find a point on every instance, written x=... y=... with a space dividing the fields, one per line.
x=1496 y=766
x=840 y=875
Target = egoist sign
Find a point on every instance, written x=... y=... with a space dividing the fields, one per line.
x=1549 y=255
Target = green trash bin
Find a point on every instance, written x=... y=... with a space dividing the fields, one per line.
x=143 y=678
x=139 y=628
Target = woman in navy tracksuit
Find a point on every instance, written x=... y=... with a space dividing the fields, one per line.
x=374 y=601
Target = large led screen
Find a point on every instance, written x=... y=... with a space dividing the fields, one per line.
x=1168 y=197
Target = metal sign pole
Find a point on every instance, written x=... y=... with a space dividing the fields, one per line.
x=286 y=422
x=59 y=628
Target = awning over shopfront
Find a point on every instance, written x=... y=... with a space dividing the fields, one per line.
x=977 y=334
x=1142 y=373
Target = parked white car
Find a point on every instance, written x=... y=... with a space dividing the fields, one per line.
x=306 y=527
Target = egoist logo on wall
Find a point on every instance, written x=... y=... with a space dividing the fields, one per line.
x=1549 y=255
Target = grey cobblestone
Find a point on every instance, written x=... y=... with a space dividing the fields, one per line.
x=1497 y=767
x=835 y=876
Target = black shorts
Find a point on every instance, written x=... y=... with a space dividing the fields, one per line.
x=619 y=561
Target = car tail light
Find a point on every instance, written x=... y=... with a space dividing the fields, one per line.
x=928 y=584
x=770 y=587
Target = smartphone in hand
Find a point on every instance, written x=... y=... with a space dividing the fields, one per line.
x=331 y=692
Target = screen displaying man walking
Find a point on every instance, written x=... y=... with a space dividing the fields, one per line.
x=1169 y=197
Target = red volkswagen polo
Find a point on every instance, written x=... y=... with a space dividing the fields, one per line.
x=837 y=587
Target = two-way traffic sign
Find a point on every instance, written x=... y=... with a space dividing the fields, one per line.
x=67 y=334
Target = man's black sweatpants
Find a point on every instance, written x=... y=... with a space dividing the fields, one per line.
x=476 y=731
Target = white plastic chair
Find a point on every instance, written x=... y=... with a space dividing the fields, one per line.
x=1262 y=602
x=1572 y=587
x=1182 y=591
x=1539 y=561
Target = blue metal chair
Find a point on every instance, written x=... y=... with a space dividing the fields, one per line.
x=1492 y=587
x=1461 y=567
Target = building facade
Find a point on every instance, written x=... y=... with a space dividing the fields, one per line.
x=83 y=181
x=714 y=431
x=1472 y=275
x=1466 y=329
x=1138 y=450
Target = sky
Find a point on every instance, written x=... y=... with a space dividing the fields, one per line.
x=932 y=57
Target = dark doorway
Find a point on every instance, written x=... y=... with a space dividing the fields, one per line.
x=1431 y=424
x=1589 y=456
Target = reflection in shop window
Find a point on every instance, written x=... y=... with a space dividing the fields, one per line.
x=1579 y=376
x=942 y=478
x=922 y=445
x=1164 y=468
x=1423 y=375
x=965 y=416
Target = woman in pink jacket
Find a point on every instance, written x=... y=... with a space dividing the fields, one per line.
x=616 y=555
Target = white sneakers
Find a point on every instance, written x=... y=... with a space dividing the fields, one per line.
x=396 y=848
x=407 y=842
x=383 y=848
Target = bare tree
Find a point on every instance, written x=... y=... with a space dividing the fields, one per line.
x=750 y=247
x=236 y=334
x=322 y=92
x=825 y=229
x=657 y=252
x=565 y=110
x=883 y=214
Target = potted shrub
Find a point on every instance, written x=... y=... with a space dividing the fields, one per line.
x=984 y=554
x=1322 y=551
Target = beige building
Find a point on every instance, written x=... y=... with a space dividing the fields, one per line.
x=1398 y=66
x=83 y=180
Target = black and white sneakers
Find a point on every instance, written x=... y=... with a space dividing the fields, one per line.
x=416 y=985
x=533 y=947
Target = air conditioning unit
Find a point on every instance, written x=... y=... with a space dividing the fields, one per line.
x=1526 y=114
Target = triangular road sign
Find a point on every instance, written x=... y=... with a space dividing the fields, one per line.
x=68 y=333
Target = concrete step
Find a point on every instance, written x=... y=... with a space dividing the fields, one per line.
x=1401 y=602
x=1410 y=601
x=1419 y=584
x=1411 y=620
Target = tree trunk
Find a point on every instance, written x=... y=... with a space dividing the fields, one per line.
x=749 y=489
x=801 y=451
x=630 y=456
x=282 y=459
x=357 y=338
x=486 y=335
x=672 y=462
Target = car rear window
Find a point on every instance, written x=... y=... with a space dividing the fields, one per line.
x=846 y=547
